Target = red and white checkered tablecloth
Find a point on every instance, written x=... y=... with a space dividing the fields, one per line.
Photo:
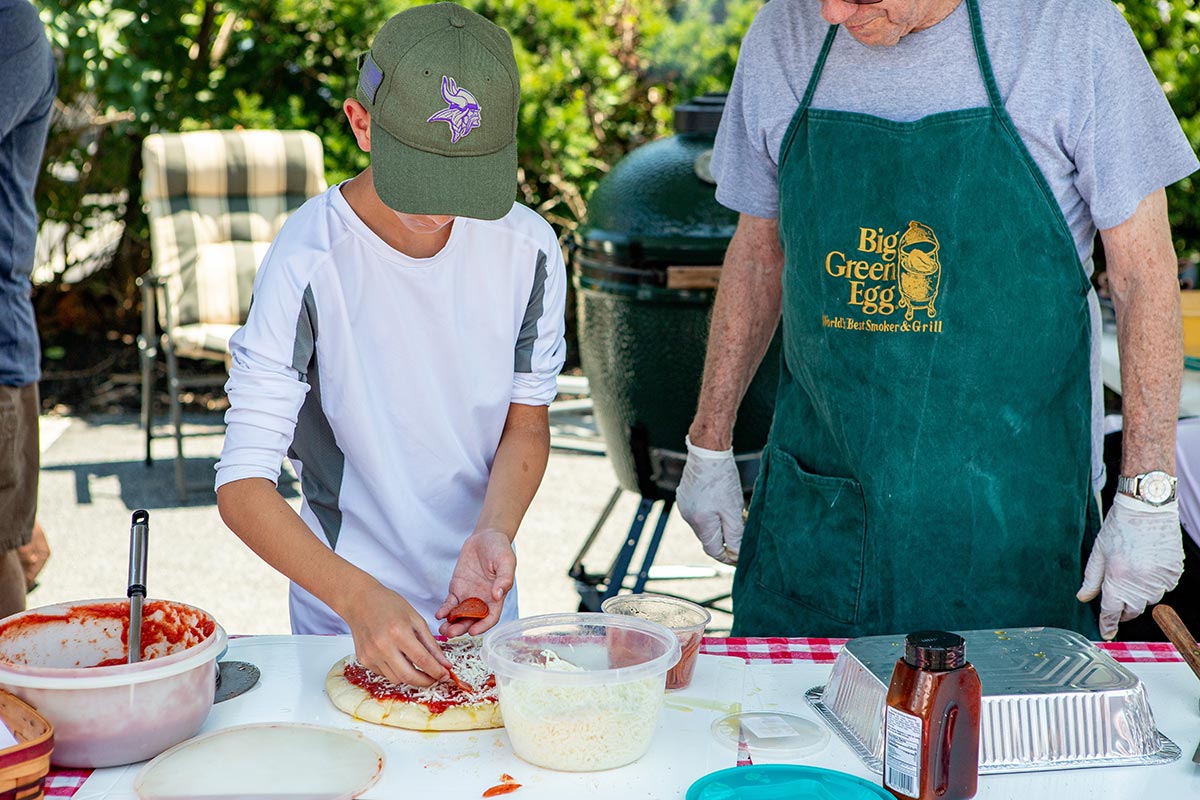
x=824 y=651
x=65 y=783
x=1133 y=652
x=776 y=650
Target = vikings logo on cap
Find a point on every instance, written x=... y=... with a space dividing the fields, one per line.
x=462 y=113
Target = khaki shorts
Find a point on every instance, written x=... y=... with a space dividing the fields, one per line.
x=18 y=464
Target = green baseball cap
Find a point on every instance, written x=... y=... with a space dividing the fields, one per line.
x=442 y=88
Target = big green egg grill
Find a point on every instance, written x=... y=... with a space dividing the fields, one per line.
x=645 y=265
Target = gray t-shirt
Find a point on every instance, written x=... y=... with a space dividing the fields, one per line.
x=1072 y=76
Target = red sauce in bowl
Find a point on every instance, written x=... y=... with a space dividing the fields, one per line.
x=166 y=627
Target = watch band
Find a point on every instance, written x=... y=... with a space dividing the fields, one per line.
x=1128 y=485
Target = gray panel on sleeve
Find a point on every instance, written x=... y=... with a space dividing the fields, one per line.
x=304 y=351
x=314 y=445
x=527 y=337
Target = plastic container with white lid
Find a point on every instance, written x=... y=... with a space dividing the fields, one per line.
x=580 y=692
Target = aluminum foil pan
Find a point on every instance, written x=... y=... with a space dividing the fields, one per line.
x=1051 y=700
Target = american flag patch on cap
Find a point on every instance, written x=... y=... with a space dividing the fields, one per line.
x=369 y=76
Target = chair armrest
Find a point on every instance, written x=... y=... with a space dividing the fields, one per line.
x=154 y=292
x=148 y=283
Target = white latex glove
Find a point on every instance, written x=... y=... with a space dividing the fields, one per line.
x=710 y=500
x=1137 y=558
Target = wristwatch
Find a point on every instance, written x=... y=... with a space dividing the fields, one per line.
x=1156 y=488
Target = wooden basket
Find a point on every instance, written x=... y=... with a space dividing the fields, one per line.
x=23 y=766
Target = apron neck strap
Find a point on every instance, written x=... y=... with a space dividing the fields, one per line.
x=818 y=69
x=981 y=56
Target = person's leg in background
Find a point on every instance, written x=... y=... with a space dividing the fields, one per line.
x=26 y=104
x=18 y=488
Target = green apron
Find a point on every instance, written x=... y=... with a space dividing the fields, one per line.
x=929 y=461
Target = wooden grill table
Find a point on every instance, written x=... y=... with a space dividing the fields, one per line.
x=757 y=674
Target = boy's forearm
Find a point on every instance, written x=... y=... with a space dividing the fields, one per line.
x=517 y=469
x=261 y=518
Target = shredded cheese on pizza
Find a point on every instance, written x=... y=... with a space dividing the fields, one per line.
x=465 y=659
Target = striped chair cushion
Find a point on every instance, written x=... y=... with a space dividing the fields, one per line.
x=215 y=200
x=203 y=341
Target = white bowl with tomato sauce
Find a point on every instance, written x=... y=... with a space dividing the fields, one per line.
x=70 y=662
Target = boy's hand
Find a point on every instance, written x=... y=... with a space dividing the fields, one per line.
x=392 y=639
x=486 y=569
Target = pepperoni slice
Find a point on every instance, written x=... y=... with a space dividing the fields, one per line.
x=459 y=682
x=471 y=608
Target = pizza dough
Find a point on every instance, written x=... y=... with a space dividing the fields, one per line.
x=441 y=707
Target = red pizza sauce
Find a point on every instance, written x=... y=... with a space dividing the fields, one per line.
x=166 y=627
x=436 y=698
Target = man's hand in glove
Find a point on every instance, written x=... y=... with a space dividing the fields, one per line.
x=1137 y=558
x=710 y=499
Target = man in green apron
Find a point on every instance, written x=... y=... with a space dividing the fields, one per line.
x=919 y=195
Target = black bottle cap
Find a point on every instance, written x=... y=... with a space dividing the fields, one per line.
x=938 y=651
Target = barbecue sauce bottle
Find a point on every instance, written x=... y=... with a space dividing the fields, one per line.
x=931 y=722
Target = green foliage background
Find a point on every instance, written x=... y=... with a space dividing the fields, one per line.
x=599 y=77
x=1169 y=32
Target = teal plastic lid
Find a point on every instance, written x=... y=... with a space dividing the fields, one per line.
x=784 y=782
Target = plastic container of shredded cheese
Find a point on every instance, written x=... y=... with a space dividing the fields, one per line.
x=580 y=692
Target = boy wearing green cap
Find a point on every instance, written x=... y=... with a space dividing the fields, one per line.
x=402 y=349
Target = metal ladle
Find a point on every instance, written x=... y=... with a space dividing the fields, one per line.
x=139 y=533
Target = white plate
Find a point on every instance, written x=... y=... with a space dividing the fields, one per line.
x=256 y=762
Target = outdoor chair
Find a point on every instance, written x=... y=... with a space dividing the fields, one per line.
x=215 y=201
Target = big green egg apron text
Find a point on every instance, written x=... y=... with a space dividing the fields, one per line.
x=929 y=462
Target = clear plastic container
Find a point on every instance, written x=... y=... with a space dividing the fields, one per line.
x=684 y=617
x=68 y=661
x=580 y=692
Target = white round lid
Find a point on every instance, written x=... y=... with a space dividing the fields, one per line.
x=771 y=736
x=265 y=760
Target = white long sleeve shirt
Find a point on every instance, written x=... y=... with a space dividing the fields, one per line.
x=387 y=381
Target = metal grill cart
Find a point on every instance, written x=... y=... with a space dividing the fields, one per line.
x=645 y=268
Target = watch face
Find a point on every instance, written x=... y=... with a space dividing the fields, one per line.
x=1156 y=487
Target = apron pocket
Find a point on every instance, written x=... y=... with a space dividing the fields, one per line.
x=813 y=538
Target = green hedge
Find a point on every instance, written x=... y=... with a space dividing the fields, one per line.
x=599 y=77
